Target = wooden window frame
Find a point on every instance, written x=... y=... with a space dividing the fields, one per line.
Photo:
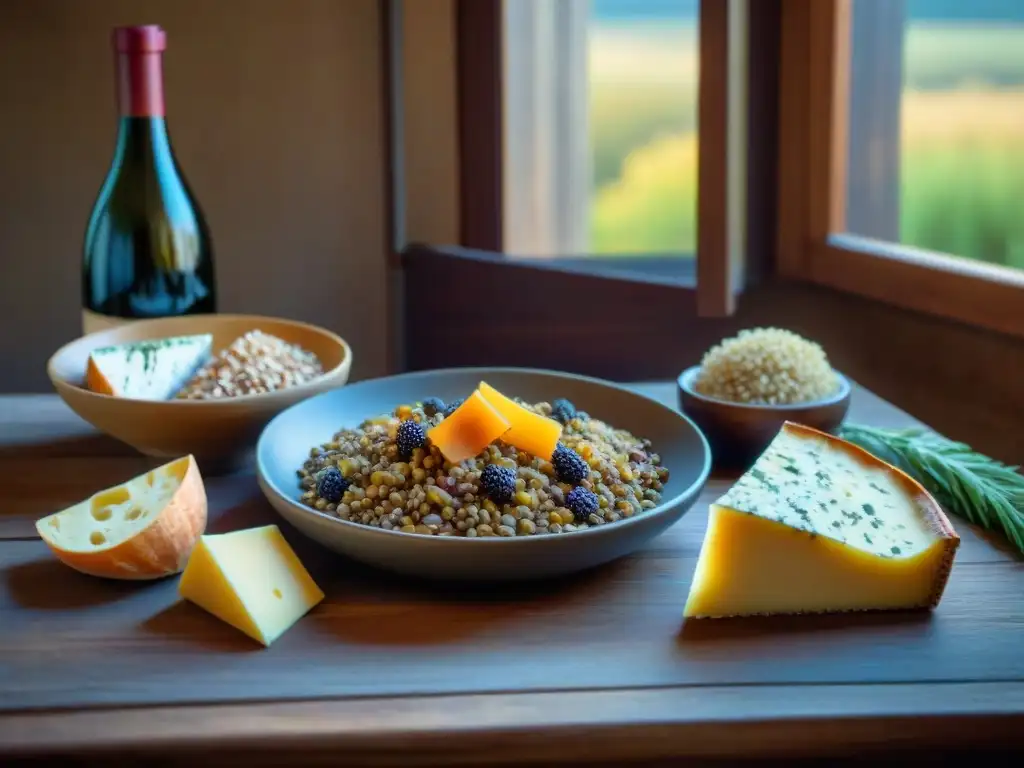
x=733 y=196
x=812 y=239
x=448 y=243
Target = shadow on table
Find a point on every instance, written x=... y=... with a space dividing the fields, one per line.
x=758 y=628
x=189 y=624
x=48 y=584
x=368 y=606
x=91 y=444
x=997 y=541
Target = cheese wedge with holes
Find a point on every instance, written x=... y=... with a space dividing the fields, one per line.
x=251 y=579
x=144 y=528
x=818 y=525
x=155 y=369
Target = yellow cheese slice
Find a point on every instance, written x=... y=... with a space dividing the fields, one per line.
x=819 y=525
x=144 y=528
x=250 y=579
x=155 y=369
x=472 y=427
x=529 y=431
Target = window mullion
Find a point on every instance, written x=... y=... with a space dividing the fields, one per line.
x=722 y=143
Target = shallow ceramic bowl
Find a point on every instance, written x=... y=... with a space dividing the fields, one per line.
x=739 y=432
x=221 y=434
x=285 y=443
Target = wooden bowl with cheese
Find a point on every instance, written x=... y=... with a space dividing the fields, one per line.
x=204 y=385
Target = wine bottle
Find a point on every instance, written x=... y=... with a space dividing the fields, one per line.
x=148 y=251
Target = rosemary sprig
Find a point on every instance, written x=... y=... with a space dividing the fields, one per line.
x=966 y=483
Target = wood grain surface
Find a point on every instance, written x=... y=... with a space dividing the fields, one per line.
x=391 y=671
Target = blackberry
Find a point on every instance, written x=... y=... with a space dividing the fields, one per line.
x=433 y=406
x=411 y=435
x=562 y=410
x=582 y=503
x=498 y=482
x=569 y=466
x=331 y=485
x=450 y=409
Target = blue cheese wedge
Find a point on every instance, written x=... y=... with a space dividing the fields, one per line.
x=819 y=525
x=147 y=370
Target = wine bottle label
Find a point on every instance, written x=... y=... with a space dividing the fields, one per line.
x=93 y=321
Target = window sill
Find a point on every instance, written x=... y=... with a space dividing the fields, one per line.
x=676 y=270
x=465 y=307
x=970 y=292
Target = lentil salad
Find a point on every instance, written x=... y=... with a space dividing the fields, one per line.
x=386 y=474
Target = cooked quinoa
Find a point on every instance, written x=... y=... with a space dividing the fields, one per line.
x=766 y=365
x=428 y=495
x=254 y=363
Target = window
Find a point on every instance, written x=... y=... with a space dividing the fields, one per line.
x=603 y=101
x=810 y=166
x=902 y=149
x=531 y=256
x=601 y=127
x=943 y=168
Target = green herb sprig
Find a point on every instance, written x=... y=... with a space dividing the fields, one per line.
x=966 y=483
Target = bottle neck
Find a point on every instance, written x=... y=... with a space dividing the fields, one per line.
x=142 y=140
x=140 y=84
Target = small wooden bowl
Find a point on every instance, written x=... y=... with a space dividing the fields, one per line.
x=221 y=434
x=739 y=432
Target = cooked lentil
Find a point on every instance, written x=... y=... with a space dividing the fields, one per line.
x=424 y=493
x=766 y=365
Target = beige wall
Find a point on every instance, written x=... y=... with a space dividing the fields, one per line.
x=275 y=112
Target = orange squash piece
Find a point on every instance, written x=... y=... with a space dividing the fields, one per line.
x=530 y=432
x=472 y=427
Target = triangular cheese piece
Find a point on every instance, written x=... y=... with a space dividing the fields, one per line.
x=250 y=579
x=204 y=583
x=154 y=369
x=819 y=525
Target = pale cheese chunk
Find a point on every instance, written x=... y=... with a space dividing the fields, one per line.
x=144 y=528
x=147 y=370
x=250 y=579
x=819 y=525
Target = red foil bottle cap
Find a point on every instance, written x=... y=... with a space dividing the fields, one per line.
x=147 y=38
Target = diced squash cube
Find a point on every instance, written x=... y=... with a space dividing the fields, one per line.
x=472 y=427
x=529 y=431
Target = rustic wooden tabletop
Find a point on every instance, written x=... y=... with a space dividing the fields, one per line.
x=597 y=667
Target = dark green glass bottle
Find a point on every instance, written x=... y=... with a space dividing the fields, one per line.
x=148 y=251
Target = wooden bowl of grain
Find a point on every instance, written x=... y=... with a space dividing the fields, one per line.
x=220 y=432
x=747 y=386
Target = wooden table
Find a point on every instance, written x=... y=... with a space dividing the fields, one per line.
x=593 y=668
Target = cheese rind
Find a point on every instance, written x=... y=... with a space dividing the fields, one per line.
x=155 y=369
x=819 y=525
x=251 y=579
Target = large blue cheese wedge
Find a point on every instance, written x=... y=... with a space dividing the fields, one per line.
x=147 y=370
x=819 y=525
